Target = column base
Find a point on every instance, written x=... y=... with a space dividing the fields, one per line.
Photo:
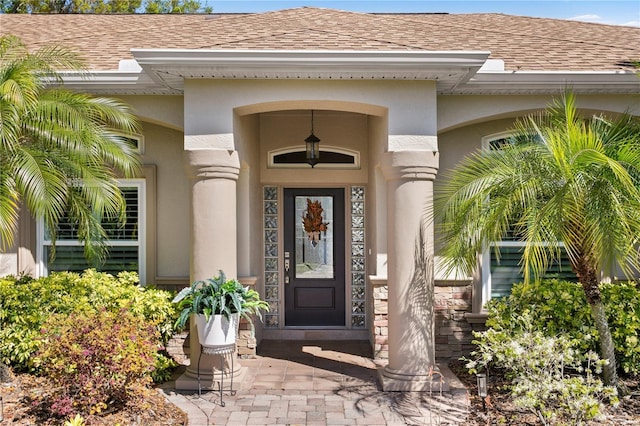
x=437 y=381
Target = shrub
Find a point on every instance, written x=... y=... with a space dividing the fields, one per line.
x=96 y=361
x=560 y=308
x=164 y=365
x=539 y=366
x=26 y=303
x=622 y=302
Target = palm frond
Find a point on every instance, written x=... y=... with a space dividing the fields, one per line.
x=58 y=139
x=565 y=180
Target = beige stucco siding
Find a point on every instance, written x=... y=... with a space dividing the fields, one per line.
x=166 y=110
x=163 y=148
x=462 y=110
x=288 y=129
x=249 y=189
x=209 y=104
x=454 y=145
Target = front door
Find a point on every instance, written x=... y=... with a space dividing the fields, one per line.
x=314 y=257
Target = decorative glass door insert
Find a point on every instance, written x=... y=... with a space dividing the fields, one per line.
x=314 y=256
x=314 y=237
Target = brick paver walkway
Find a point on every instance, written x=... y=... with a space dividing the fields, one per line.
x=319 y=383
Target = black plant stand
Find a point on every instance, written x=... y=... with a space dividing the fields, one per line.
x=222 y=351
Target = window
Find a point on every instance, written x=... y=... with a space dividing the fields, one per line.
x=330 y=157
x=135 y=140
x=126 y=248
x=499 y=276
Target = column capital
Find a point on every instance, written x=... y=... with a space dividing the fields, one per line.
x=410 y=165
x=212 y=164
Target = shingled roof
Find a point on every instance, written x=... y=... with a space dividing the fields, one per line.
x=523 y=43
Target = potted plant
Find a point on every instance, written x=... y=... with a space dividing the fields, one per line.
x=217 y=304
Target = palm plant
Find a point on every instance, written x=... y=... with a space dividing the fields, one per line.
x=61 y=152
x=566 y=183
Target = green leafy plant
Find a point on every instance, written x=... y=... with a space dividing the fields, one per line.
x=27 y=303
x=622 y=303
x=164 y=365
x=560 y=308
x=550 y=377
x=218 y=296
x=96 y=361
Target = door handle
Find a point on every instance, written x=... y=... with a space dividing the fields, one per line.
x=287 y=266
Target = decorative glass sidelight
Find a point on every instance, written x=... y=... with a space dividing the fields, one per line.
x=357 y=256
x=358 y=265
x=271 y=250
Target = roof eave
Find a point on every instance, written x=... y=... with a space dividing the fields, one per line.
x=116 y=83
x=163 y=71
x=172 y=66
x=546 y=82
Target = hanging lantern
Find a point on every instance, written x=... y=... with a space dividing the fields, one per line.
x=313 y=146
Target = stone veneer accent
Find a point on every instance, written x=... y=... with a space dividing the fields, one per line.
x=246 y=340
x=178 y=346
x=379 y=309
x=453 y=330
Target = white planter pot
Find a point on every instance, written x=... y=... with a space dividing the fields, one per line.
x=218 y=331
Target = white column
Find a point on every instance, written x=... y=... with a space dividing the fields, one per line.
x=213 y=174
x=410 y=176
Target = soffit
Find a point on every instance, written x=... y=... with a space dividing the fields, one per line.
x=172 y=67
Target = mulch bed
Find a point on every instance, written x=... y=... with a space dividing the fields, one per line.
x=499 y=410
x=20 y=391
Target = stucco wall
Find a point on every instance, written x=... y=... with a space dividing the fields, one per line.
x=334 y=128
x=458 y=111
x=166 y=111
x=164 y=149
x=9 y=261
x=247 y=131
x=454 y=145
x=209 y=104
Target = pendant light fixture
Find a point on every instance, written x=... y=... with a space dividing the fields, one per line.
x=313 y=146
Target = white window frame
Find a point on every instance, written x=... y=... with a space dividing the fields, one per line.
x=486 y=255
x=41 y=262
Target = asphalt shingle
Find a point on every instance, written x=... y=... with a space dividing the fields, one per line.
x=524 y=43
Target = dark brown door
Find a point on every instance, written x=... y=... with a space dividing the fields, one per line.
x=314 y=257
